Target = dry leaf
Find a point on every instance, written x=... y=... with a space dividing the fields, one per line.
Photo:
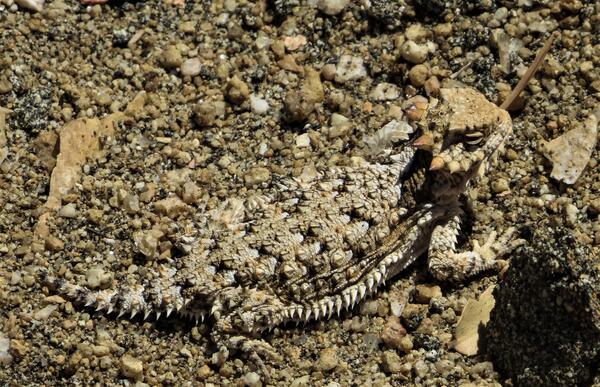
x=571 y=152
x=467 y=330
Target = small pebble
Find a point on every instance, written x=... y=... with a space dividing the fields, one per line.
x=97 y=278
x=131 y=367
x=206 y=113
x=571 y=212
x=327 y=360
x=432 y=86
x=391 y=362
x=15 y=278
x=424 y=293
x=303 y=141
x=68 y=211
x=18 y=348
x=237 y=91
x=171 y=57
x=418 y=75
x=349 y=68
x=328 y=72
x=258 y=105
x=385 y=92
x=332 y=7
x=393 y=332
x=302 y=381
x=45 y=312
x=256 y=176
x=172 y=206
x=191 y=67
x=252 y=379
x=204 y=372
x=262 y=42
x=297 y=107
x=421 y=368
x=413 y=52
x=500 y=185
x=34 y=5
x=103 y=98
x=5 y=357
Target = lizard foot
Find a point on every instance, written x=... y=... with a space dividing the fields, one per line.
x=456 y=267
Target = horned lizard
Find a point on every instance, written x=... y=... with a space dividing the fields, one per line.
x=313 y=247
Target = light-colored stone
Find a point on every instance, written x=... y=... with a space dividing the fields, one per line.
x=258 y=105
x=303 y=141
x=332 y=7
x=45 y=312
x=328 y=360
x=171 y=57
x=385 y=92
x=34 y=5
x=171 y=206
x=252 y=379
x=414 y=52
x=391 y=362
x=257 y=175
x=131 y=367
x=68 y=211
x=349 y=68
x=97 y=277
x=191 y=67
x=424 y=293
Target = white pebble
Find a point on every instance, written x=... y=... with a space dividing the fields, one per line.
x=34 y=5
x=303 y=141
x=5 y=357
x=258 y=105
x=349 y=68
x=385 y=92
x=191 y=67
x=68 y=211
x=413 y=52
x=252 y=379
x=45 y=312
x=332 y=7
x=262 y=42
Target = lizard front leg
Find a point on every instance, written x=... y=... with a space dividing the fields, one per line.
x=446 y=264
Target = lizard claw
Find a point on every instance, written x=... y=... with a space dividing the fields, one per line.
x=495 y=247
x=449 y=265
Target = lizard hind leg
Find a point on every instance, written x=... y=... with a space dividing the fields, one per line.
x=446 y=264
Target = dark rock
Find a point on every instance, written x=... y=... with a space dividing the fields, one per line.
x=545 y=327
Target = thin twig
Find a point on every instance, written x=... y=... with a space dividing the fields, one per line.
x=535 y=65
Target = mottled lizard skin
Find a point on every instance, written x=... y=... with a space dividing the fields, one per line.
x=317 y=245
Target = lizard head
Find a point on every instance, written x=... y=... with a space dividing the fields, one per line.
x=462 y=132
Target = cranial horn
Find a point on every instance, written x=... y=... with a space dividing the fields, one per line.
x=424 y=142
x=436 y=163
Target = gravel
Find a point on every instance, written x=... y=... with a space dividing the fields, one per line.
x=218 y=101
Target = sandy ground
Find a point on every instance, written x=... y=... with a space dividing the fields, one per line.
x=226 y=94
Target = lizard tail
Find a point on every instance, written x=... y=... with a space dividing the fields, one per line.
x=160 y=297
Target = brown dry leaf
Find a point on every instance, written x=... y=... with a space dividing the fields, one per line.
x=467 y=330
x=570 y=152
x=79 y=140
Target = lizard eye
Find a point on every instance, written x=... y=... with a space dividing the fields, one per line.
x=473 y=138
